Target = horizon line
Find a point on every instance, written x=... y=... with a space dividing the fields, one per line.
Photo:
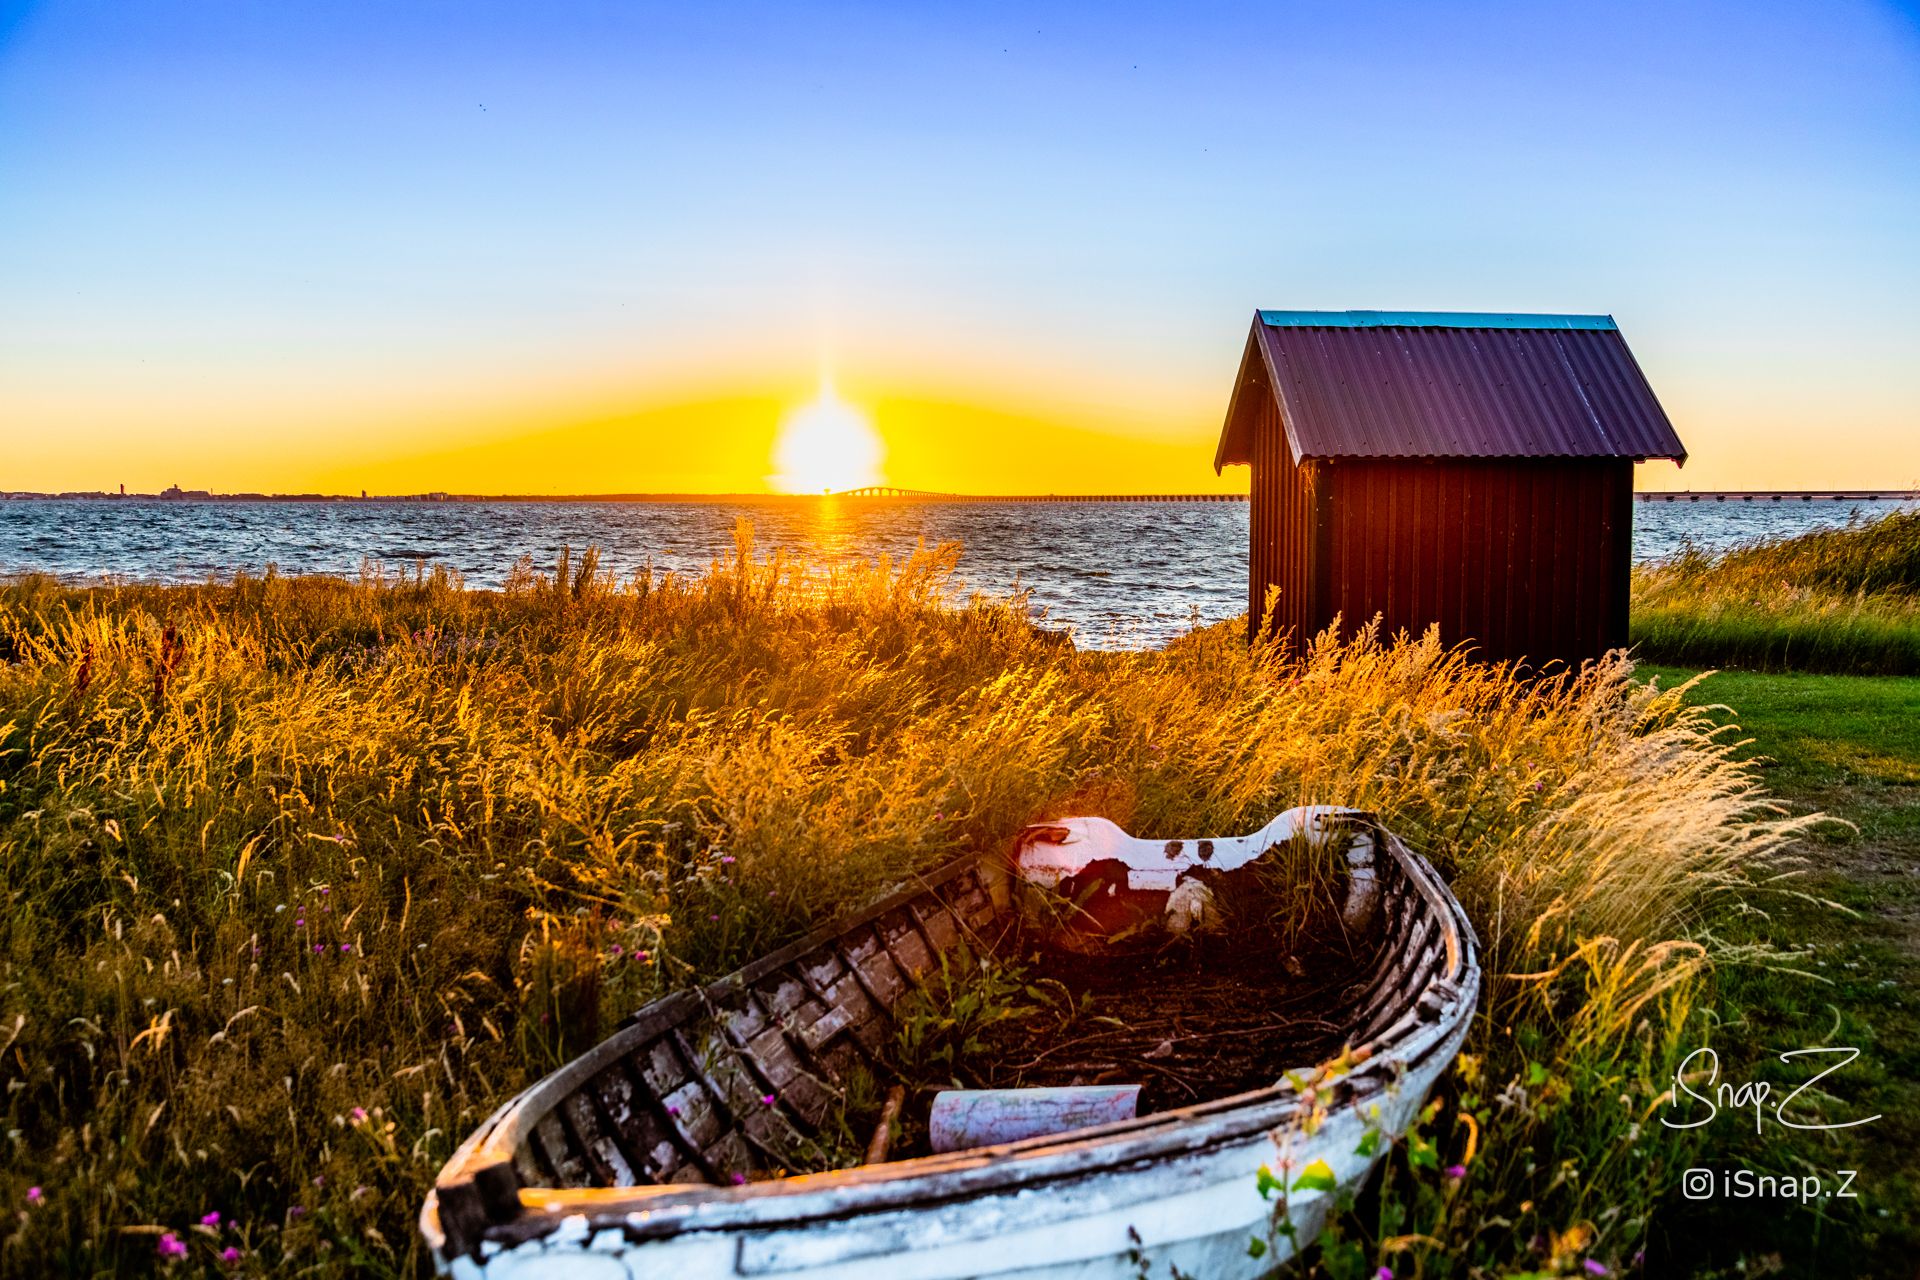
x=1831 y=492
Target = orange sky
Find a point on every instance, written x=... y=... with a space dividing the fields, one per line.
x=571 y=249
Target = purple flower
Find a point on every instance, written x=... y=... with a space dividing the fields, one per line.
x=1456 y=1171
x=346 y=946
x=323 y=889
x=171 y=1246
x=210 y=1219
x=766 y=1099
x=1384 y=1273
x=296 y=1211
x=616 y=951
x=673 y=1111
x=641 y=955
x=359 y=1115
x=739 y=1178
x=319 y=1179
x=34 y=1195
x=1595 y=1267
x=230 y=1255
x=300 y=923
x=727 y=861
x=713 y=917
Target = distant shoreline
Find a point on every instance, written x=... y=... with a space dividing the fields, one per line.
x=736 y=499
x=716 y=499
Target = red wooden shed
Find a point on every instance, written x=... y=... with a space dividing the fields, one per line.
x=1471 y=470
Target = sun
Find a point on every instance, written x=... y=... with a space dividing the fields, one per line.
x=826 y=445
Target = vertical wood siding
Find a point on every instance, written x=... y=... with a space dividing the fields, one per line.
x=1279 y=520
x=1525 y=558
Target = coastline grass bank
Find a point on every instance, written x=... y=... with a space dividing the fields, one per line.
x=305 y=876
x=1838 y=600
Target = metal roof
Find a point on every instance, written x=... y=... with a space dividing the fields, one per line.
x=1410 y=384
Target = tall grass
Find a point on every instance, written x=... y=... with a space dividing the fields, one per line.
x=304 y=876
x=1836 y=600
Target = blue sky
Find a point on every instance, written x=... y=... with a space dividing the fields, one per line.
x=272 y=245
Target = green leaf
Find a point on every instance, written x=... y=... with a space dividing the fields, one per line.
x=1256 y=1247
x=1536 y=1075
x=1422 y=1154
x=1369 y=1143
x=1267 y=1183
x=1317 y=1176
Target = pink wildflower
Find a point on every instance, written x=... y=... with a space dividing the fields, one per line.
x=346 y=946
x=230 y=1255
x=616 y=951
x=1384 y=1273
x=1456 y=1171
x=1595 y=1267
x=739 y=1178
x=727 y=861
x=766 y=1099
x=34 y=1195
x=211 y=1219
x=171 y=1246
x=359 y=1115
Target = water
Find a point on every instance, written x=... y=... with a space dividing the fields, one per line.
x=1119 y=574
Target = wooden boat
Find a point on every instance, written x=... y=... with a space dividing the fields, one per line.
x=663 y=1151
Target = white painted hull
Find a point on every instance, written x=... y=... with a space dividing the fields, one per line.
x=1179 y=1189
x=1199 y=1215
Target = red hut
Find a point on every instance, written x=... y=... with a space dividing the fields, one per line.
x=1474 y=471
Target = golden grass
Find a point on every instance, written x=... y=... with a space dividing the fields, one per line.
x=305 y=876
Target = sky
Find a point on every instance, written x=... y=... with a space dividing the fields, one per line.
x=592 y=248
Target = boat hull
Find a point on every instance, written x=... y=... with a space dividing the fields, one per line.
x=1182 y=1188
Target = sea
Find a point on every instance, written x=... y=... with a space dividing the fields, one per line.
x=1117 y=574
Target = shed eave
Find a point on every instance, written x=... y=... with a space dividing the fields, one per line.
x=1431 y=320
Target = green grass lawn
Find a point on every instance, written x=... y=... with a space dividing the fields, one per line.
x=1848 y=746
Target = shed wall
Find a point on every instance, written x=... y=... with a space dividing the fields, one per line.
x=1525 y=557
x=1280 y=514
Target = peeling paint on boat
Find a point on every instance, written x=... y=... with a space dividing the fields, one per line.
x=1183 y=1183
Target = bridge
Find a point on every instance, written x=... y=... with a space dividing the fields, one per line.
x=922 y=495
x=1778 y=495
x=889 y=491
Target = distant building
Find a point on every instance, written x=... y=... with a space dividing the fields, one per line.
x=1474 y=471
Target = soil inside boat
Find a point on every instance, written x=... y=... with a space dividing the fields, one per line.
x=1195 y=1020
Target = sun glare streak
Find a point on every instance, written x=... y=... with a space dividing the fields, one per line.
x=826 y=445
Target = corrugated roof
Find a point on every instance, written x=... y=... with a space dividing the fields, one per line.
x=1400 y=384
